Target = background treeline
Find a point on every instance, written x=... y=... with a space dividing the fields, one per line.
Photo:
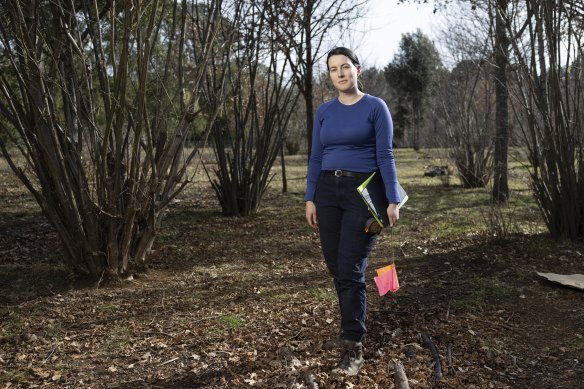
x=105 y=106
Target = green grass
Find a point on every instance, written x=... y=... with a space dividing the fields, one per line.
x=55 y=330
x=118 y=338
x=230 y=321
x=485 y=293
x=448 y=211
x=109 y=308
x=14 y=376
x=11 y=325
x=497 y=343
x=323 y=294
x=282 y=297
x=578 y=346
x=435 y=210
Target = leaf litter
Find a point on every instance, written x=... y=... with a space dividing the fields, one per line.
x=247 y=302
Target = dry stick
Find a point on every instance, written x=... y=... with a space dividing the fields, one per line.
x=399 y=374
x=451 y=370
x=169 y=361
x=427 y=342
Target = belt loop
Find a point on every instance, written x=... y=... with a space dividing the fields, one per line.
x=338 y=173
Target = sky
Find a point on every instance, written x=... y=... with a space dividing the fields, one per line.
x=384 y=25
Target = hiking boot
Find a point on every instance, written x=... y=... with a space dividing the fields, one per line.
x=351 y=359
x=338 y=343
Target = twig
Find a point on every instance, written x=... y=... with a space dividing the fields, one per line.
x=125 y=383
x=169 y=361
x=504 y=325
x=48 y=356
x=295 y=336
x=451 y=370
x=100 y=279
x=427 y=342
x=315 y=308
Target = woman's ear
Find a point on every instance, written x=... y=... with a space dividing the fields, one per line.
x=359 y=70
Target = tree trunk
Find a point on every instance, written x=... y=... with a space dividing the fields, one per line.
x=500 y=179
x=283 y=162
x=308 y=80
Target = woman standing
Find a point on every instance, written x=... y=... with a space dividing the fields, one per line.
x=352 y=137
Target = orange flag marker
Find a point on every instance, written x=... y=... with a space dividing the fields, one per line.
x=386 y=279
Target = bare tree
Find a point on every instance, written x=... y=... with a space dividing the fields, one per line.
x=547 y=50
x=79 y=93
x=499 y=9
x=249 y=134
x=469 y=118
x=304 y=28
x=467 y=96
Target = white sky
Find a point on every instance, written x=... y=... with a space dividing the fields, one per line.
x=384 y=25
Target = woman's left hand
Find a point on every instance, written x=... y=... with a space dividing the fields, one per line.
x=393 y=214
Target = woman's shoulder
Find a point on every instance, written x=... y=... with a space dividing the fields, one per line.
x=327 y=103
x=325 y=106
x=374 y=101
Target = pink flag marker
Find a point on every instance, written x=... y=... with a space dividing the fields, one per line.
x=386 y=280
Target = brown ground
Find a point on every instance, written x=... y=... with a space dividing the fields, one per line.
x=246 y=302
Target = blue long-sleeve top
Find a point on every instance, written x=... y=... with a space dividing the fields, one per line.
x=355 y=137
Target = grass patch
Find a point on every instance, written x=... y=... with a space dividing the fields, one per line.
x=282 y=297
x=13 y=376
x=109 y=308
x=578 y=346
x=55 y=330
x=499 y=343
x=11 y=326
x=449 y=211
x=485 y=294
x=119 y=338
x=198 y=295
x=323 y=294
x=231 y=321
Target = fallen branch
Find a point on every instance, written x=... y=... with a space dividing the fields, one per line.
x=399 y=375
x=427 y=342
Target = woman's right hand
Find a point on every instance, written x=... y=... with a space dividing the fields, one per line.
x=311 y=214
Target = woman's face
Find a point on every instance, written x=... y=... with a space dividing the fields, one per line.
x=343 y=73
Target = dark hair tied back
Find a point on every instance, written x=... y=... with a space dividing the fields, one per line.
x=343 y=51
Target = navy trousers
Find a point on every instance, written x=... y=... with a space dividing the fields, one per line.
x=342 y=214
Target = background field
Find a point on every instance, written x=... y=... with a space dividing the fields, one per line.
x=247 y=302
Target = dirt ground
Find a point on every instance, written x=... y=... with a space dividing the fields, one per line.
x=247 y=302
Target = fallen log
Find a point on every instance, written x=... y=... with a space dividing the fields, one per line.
x=427 y=342
x=399 y=375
